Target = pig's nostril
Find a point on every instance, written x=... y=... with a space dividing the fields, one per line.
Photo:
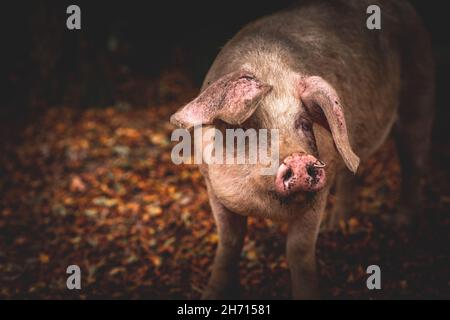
x=288 y=178
x=311 y=170
x=288 y=174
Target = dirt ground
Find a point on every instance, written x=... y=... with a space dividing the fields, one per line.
x=97 y=188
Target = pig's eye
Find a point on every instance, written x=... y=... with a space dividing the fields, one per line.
x=305 y=124
x=305 y=128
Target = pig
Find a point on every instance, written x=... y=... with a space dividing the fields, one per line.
x=335 y=90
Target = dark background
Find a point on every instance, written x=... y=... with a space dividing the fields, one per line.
x=86 y=176
x=43 y=59
x=44 y=63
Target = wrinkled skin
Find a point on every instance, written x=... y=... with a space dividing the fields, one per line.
x=334 y=90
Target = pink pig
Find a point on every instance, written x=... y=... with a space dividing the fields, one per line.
x=334 y=89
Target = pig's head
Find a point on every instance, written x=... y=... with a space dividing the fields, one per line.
x=294 y=105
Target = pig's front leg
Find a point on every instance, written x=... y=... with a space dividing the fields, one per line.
x=301 y=249
x=224 y=280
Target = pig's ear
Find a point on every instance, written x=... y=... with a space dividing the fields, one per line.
x=324 y=105
x=232 y=98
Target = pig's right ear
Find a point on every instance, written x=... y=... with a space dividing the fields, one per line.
x=232 y=98
x=322 y=101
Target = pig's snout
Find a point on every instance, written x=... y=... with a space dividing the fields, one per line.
x=300 y=172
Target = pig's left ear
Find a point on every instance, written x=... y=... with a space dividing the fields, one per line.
x=318 y=93
x=232 y=98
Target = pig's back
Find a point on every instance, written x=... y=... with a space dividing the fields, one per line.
x=329 y=38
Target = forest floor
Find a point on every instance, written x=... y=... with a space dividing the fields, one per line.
x=97 y=188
